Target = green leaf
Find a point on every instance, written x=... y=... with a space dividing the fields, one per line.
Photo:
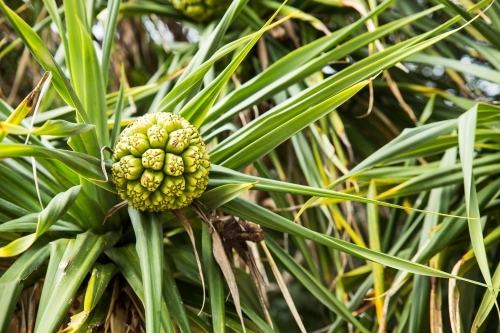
x=313 y=285
x=22 y=109
x=299 y=14
x=16 y=42
x=150 y=7
x=120 y=103
x=127 y=260
x=56 y=127
x=451 y=227
x=181 y=90
x=173 y=299
x=109 y=35
x=476 y=70
x=218 y=196
x=300 y=63
x=408 y=139
x=85 y=165
x=12 y=281
x=489 y=300
x=439 y=177
x=38 y=49
x=70 y=262
x=210 y=45
x=223 y=176
x=251 y=212
x=466 y=135
x=213 y=275
x=98 y=282
x=99 y=314
x=29 y=223
x=85 y=71
x=47 y=217
x=250 y=148
x=490 y=33
x=350 y=77
x=149 y=245
x=55 y=15
x=197 y=108
x=374 y=242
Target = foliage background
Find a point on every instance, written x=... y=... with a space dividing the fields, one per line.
x=402 y=109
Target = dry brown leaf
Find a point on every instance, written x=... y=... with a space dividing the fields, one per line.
x=436 y=315
x=114 y=297
x=227 y=270
x=14 y=324
x=290 y=32
x=370 y=101
x=454 y=299
x=395 y=91
x=238 y=235
x=23 y=64
x=33 y=305
x=284 y=289
x=23 y=316
x=114 y=209
x=370 y=26
x=262 y=53
x=185 y=223
x=118 y=319
x=136 y=302
x=259 y=285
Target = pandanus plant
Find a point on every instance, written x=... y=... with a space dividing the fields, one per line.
x=180 y=166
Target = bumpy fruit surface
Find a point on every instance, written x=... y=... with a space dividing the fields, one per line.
x=160 y=163
x=201 y=10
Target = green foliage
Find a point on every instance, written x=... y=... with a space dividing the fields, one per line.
x=355 y=167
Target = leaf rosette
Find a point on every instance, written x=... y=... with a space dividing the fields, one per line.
x=160 y=163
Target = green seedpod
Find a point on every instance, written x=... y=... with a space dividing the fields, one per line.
x=160 y=163
x=201 y=10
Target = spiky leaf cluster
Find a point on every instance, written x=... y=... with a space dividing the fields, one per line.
x=201 y=10
x=160 y=163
